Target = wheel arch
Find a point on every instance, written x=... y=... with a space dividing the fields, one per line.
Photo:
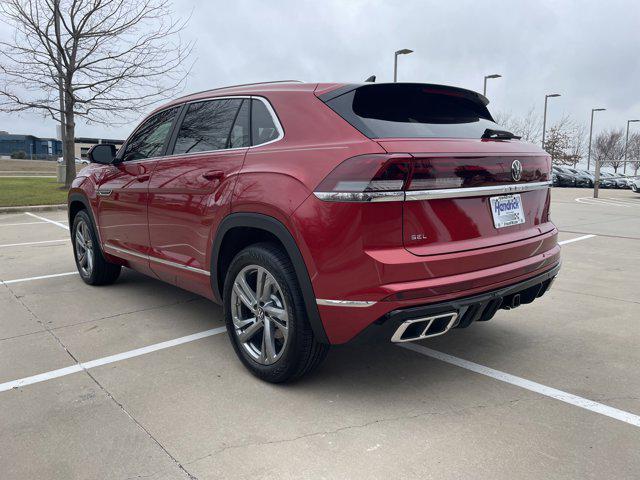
x=265 y=228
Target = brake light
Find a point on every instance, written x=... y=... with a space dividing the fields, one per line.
x=367 y=178
x=369 y=173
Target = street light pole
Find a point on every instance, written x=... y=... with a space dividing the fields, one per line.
x=404 y=51
x=493 y=75
x=596 y=181
x=591 y=134
x=626 y=145
x=544 y=118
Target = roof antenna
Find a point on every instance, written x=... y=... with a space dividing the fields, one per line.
x=371 y=79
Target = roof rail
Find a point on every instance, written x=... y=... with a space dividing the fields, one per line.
x=239 y=85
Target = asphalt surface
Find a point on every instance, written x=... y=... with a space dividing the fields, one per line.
x=188 y=409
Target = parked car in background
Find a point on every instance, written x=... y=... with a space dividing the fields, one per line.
x=615 y=181
x=627 y=180
x=562 y=178
x=635 y=185
x=568 y=177
x=79 y=161
x=590 y=176
x=583 y=179
x=317 y=214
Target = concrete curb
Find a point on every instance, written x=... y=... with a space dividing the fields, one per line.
x=32 y=208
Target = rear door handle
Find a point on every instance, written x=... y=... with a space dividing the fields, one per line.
x=213 y=175
x=143 y=178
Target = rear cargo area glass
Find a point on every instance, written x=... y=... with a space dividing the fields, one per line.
x=414 y=111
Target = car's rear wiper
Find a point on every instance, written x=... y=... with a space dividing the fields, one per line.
x=499 y=134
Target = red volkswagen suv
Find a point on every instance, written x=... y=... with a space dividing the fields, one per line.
x=317 y=214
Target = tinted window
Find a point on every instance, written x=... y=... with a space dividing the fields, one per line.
x=206 y=126
x=414 y=111
x=240 y=135
x=263 y=129
x=148 y=140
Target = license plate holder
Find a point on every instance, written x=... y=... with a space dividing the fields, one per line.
x=507 y=210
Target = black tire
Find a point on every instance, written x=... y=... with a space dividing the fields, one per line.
x=102 y=272
x=301 y=353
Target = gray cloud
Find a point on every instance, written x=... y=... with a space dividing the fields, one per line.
x=585 y=50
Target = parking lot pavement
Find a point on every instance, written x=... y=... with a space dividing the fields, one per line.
x=188 y=408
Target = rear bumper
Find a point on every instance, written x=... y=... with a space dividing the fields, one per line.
x=470 y=309
x=343 y=321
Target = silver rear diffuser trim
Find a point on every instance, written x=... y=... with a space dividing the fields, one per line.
x=425 y=327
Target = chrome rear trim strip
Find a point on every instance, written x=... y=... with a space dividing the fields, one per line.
x=475 y=191
x=344 y=303
x=158 y=260
x=430 y=194
x=360 y=196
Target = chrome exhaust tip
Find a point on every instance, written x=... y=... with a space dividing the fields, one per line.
x=425 y=327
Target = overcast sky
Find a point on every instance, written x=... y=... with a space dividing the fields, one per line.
x=588 y=51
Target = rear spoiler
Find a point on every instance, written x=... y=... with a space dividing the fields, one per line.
x=432 y=87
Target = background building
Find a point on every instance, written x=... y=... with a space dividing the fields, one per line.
x=32 y=147
x=29 y=146
x=83 y=144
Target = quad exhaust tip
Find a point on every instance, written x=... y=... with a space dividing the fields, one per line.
x=425 y=327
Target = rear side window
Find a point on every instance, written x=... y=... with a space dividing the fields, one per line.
x=414 y=111
x=263 y=128
x=207 y=126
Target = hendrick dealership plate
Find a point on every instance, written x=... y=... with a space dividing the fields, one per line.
x=507 y=210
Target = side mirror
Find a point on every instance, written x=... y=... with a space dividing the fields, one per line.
x=103 y=153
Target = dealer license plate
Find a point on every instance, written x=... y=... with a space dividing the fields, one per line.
x=507 y=210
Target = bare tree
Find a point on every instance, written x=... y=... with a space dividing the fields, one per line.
x=609 y=149
x=529 y=127
x=633 y=152
x=110 y=58
x=558 y=141
x=578 y=143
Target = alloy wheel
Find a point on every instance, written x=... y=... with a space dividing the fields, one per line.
x=84 y=248
x=260 y=315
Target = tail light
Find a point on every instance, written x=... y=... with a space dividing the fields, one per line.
x=367 y=178
x=391 y=177
x=382 y=177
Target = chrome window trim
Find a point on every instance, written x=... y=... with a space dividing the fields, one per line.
x=344 y=303
x=158 y=260
x=409 y=196
x=272 y=113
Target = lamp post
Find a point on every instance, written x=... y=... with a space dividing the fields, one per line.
x=544 y=119
x=596 y=181
x=404 y=51
x=591 y=133
x=626 y=144
x=493 y=75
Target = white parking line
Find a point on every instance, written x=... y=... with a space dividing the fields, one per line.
x=18 y=224
x=42 y=277
x=61 y=372
x=565 y=397
x=61 y=225
x=614 y=202
x=577 y=239
x=33 y=243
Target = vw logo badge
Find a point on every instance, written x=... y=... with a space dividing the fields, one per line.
x=516 y=170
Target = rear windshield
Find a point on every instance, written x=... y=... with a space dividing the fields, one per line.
x=414 y=111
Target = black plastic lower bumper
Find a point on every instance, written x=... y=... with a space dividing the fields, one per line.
x=470 y=309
